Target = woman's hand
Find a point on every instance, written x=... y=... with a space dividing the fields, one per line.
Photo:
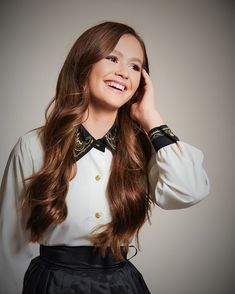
x=144 y=111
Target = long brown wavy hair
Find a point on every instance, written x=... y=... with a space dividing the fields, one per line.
x=128 y=186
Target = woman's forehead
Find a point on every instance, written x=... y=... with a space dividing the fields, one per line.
x=129 y=47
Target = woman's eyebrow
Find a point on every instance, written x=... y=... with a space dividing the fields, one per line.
x=132 y=58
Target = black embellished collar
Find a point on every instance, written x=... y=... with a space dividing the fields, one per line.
x=84 y=141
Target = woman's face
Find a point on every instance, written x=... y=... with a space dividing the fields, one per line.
x=114 y=79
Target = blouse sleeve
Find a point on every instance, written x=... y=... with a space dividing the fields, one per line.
x=16 y=250
x=176 y=173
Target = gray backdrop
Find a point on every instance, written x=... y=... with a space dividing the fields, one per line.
x=191 y=51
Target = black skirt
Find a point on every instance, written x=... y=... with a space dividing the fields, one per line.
x=81 y=270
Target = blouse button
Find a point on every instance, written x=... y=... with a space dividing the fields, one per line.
x=98 y=177
x=97 y=214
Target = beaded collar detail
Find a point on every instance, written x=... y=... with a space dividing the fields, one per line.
x=84 y=141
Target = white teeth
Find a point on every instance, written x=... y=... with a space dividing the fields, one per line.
x=116 y=85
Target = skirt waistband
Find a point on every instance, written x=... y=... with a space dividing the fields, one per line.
x=80 y=256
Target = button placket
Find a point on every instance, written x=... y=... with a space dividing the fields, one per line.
x=98 y=206
x=97 y=213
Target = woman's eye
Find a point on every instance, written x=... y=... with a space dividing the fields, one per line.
x=136 y=67
x=115 y=59
x=112 y=58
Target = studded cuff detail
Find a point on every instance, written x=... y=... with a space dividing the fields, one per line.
x=162 y=136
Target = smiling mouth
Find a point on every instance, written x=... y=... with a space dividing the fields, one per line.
x=116 y=86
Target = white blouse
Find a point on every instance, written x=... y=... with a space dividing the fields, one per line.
x=177 y=180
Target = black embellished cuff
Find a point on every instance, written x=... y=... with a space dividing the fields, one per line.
x=162 y=136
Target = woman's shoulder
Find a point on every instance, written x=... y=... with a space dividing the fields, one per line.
x=31 y=140
x=29 y=146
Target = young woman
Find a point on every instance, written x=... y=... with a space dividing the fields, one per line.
x=82 y=186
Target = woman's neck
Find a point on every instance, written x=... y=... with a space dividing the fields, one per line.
x=98 y=123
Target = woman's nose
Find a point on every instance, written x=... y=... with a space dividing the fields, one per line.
x=122 y=72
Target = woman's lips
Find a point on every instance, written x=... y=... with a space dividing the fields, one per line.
x=117 y=84
x=114 y=89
